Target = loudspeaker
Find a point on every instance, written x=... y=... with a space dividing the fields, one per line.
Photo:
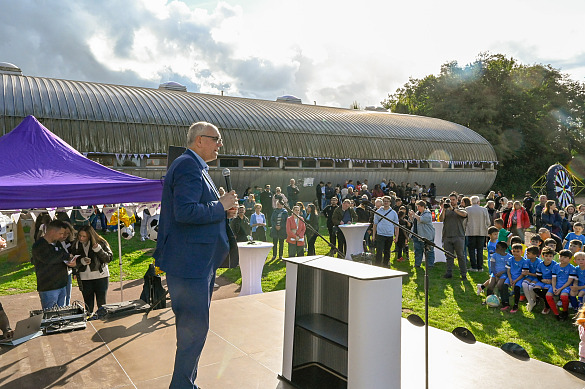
x=174 y=153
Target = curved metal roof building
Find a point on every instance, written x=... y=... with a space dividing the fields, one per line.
x=113 y=120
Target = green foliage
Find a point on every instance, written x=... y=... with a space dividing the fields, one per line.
x=531 y=114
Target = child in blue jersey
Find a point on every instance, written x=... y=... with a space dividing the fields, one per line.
x=544 y=275
x=575 y=246
x=498 y=271
x=514 y=270
x=576 y=234
x=578 y=288
x=491 y=249
x=529 y=282
x=563 y=275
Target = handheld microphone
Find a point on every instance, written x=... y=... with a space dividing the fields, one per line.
x=228 y=182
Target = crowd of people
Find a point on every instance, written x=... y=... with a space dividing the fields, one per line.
x=468 y=230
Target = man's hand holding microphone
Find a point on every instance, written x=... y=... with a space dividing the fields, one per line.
x=230 y=203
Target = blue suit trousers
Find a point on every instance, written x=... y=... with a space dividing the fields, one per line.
x=190 y=299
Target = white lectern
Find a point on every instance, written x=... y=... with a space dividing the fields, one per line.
x=342 y=324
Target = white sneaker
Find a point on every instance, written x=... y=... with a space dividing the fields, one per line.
x=479 y=289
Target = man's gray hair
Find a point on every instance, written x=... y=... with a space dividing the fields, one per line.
x=474 y=199
x=197 y=129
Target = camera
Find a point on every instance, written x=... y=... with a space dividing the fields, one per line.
x=447 y=203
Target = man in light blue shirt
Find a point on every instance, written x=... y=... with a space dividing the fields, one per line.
x=384 y=232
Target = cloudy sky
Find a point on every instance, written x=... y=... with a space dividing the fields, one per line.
x=329 y=52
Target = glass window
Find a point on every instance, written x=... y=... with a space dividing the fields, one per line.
x=358 y=164
x=228 y=162
x=106 y=160
x=386 y=165
x=372 y=165
x=156 y=162
x=436 y=165
x=398 y=165
x=271 y=162
x=413 y=165
x=326 y=163
x=424 y=165
x=252 y=162
x=342 y=164
x=309 y=163
x=212 y=163
x=291 y=162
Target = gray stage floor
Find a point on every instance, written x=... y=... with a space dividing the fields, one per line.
x=243 y=350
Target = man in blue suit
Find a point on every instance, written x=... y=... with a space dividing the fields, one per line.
x=193 y=240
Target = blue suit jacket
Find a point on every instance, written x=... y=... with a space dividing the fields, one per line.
x=193 y=236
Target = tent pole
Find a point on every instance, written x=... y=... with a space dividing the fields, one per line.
x=120 y=256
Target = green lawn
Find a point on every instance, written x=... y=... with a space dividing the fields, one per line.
x=452 y=303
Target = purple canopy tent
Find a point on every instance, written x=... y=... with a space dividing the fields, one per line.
x=39 y=170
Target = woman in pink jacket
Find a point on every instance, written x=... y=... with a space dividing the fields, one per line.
x=518 y=220
x=295 y=233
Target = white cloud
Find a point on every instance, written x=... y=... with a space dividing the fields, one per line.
x=332 y=52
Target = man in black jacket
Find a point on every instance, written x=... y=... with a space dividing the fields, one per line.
x=328 y=212
x=51 y=260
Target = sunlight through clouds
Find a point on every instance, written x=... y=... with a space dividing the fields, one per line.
x=331 y=52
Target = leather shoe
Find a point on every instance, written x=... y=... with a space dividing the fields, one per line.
x=448 y=275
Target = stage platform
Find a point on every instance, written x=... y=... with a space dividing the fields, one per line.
x=243 y=350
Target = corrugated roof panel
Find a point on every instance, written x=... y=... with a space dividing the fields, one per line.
x=166 y=115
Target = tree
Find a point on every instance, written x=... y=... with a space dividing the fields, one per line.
x=531 y=114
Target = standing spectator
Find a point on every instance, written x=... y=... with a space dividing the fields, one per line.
x=313 y=220
x=343 y=215
x=257 y=191
x=249 y=205
x=337 y=194
x=328 y=213
x=51 y=262
x=351 y=195
x=143 y=224
x=432 y=192
x=319 y=195
x=382 y=186
x=528 y=204
x=292 y=192
x=266 y=201
x=550 y=218
x=400 y=190
x=570 y=214
x=93 y=273
x=402 y=241
x=453 y=219
x=580 y=216
x=303 y=211
x=241 y=225
x=66 y=242
x=538 y=211
x=422 y=224
x=518 y=220
x=295 y=233
x=384 y=232
x=99 y=215
x=365 y=192
x=478 y=222
x=490 y=206
x=278 y=230
x=329 y=193
x=565 y=225
x=279 y=196
x=258 y=224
